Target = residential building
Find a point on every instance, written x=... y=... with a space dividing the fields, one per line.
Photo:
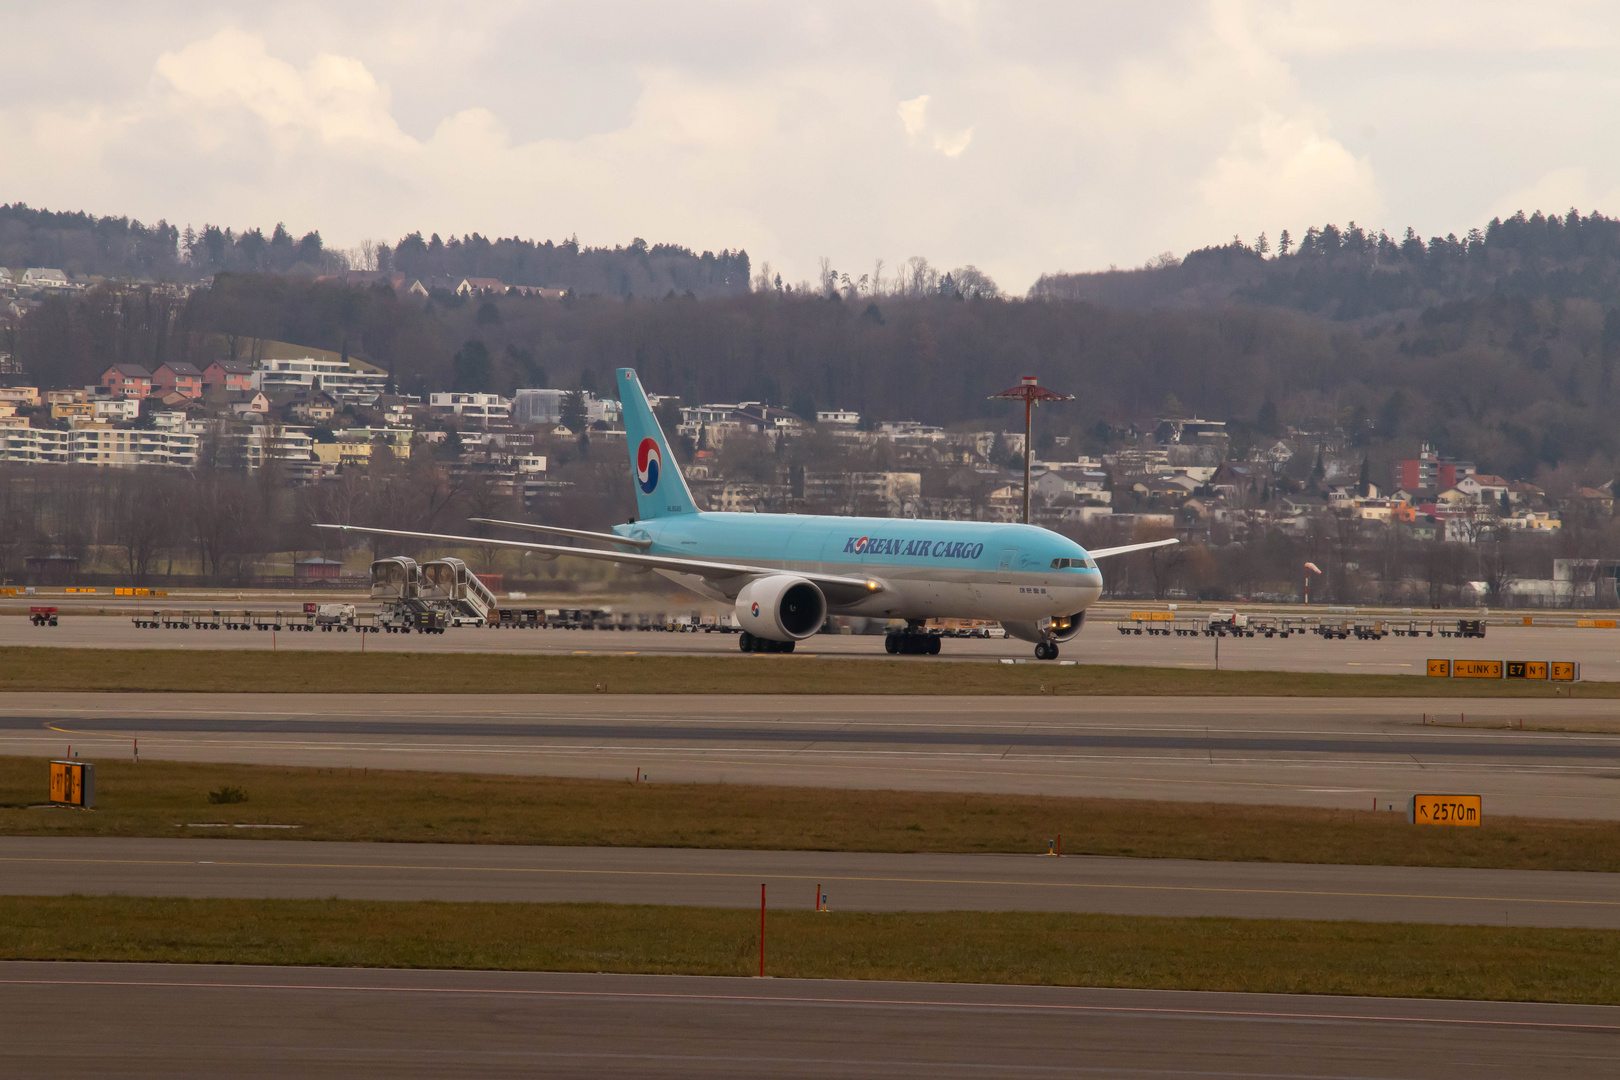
x=1484 y=487
x=99 y=445
x=397 y=439
x=1055 y=485
x=1430 y=472
x=127 y=380
x=350 y=450
x=869 y=494
x=910 y=431
x=481 y=408
x=21 y=395
x=68 y=410
x=344 y=382
x=41 y=277
x=545 y=407
x=115 y=409
x=177 y=377
x=1176 y=430
x=233 y=375
x=312 y=407
x=839 y=417
x=251 y=402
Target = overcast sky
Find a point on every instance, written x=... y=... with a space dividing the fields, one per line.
x=1019 y=137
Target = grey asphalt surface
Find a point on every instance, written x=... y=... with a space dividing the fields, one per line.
x=851 y=881
x=141 y=1020
x=1332 y=752
x=1597 y=650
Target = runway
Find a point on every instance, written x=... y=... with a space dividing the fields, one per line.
x=208 y=1021
x=1331 y=752
x=54 y=866
x=1596 y=650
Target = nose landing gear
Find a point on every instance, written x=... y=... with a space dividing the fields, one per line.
x=1046 y=650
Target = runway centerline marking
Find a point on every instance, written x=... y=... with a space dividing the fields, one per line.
x=824 y=876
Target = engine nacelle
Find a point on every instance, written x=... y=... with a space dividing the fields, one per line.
x=781 y=607
x=1065 y=627
x=1060 y=628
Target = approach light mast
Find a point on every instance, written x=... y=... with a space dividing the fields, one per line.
x=1031 y=395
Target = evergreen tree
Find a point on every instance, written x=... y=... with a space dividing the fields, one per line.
x=1267 y=424
x=572 y=411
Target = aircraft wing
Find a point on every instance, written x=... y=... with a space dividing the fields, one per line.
x=729 y=578
x=1103 y=553
x=606 y=538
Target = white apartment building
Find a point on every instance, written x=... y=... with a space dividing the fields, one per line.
x=344 y=382
x=104 y=446
x=839 y=417
x=480 y=407
x=117 y=408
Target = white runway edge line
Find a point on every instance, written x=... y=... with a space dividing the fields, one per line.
x=867 y=1002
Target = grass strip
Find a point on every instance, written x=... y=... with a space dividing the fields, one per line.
x=155 y=797
x=257 y=671
x=1246 y=955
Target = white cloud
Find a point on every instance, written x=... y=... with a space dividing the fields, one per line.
x=1020 y=137
x=914 y=114
x=1555 y=192
x=1284 y=169
x=334 y=98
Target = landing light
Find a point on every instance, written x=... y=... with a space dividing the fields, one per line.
x=872 y=585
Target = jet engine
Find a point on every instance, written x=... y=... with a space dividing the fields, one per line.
x=781 y=607
x=1060 y=628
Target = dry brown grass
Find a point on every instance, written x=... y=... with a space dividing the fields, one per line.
x=1249 y=955
x=149 y=799
x=246 y=670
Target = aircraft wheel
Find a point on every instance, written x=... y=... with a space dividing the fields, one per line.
x=1042 y=651
x=745 y=641
x=933 y=646
x=786 y=646
x=891 y=644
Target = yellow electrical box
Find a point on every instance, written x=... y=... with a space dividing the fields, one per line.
x=1440 y=669
x=73 y=783
x=1445 y=810
x=1476 y=669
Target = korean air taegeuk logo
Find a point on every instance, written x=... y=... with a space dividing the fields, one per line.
x=647 y=465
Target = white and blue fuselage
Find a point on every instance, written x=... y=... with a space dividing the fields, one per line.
x=785 y=573
x=927 y=569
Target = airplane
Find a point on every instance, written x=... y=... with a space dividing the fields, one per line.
x=784 y=574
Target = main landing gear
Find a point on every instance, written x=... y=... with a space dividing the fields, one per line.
x=749 y=643
x=906 y=643
x=1046 y=650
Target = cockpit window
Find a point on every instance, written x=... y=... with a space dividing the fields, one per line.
x=1065 y=564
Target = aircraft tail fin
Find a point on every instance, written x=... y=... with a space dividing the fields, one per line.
x=660 y=488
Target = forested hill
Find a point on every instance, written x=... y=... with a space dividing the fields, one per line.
x=1352 y=273
x=124 y=248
